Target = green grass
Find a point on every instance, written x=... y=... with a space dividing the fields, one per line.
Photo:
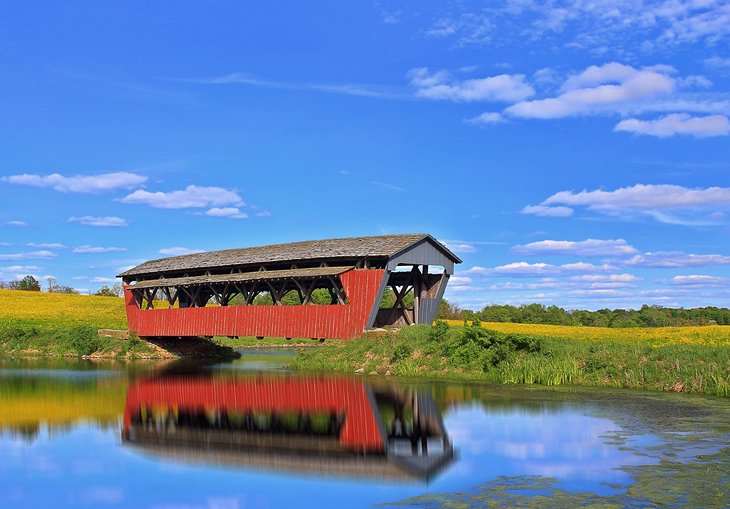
x=66 y=341
x=475 y=353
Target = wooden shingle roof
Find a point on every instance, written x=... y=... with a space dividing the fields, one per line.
x=236 y=277
x=383 y=246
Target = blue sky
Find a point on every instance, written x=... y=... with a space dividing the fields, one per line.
x=572 y=153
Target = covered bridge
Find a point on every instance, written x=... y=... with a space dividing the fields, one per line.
x=319 y=289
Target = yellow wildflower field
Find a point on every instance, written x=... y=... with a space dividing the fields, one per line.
x=710 y=335
x=41 y=308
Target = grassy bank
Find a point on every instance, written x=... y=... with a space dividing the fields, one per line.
x=18 y=339
x=64 y=325
x=478 y=353
x=707 y=335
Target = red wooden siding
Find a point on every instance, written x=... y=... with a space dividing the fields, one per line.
x=360 y=431
x=306 y=321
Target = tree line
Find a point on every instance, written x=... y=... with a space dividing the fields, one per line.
x=31 y=284
x=646 y=316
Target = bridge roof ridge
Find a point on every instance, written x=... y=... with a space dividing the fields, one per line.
x=381 y=246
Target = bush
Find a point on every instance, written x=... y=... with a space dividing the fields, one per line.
x=400 y=352
x=439 y=332
x=84 y=340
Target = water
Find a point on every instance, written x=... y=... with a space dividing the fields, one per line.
x=250 y=434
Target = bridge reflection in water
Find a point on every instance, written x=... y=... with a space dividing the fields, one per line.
x=339 y=427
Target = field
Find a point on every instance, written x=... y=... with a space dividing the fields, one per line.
x=41 y=309
x=57 y=325
x=710 y=335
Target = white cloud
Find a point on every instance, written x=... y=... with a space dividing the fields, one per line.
x=717 y=63
x=177 y=251
x=440 y=85
x=102 y=280
x=677 y=123
x=101 y=221
x=16 y=223
x=605 y=88
x=190 y=197
x=543 y=211
x=525 y=269
x=597 y=26
x=643 y=197
x=486 y=118
x=79 y=183
x=263 y=213
x=29 y=255
x=597 y=278
x=695 y=81
x=675 y=259
x=98 y=249
x=229 y=212
x=46 y=245
x=698 y=280
x=17 y=271
x=665 y=203
x=460 y=247
x=589 y=247
x=597 y=281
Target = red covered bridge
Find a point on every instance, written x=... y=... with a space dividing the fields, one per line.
x=277 y=290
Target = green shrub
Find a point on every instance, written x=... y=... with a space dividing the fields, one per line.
x=84 y=340
x=400 y=352
x=439 y=332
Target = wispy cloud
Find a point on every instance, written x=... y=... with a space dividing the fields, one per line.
x=79 y=183
x=588 y=247
x=28 y=255
x=676 y=259
x=178 y=251
x=545 y=211
x=677 y=123
x=16 y=223
x=665 y=203
x=441 y=85
x=486 y=118
x=525 y=269
x=598 y=27
x=697 y=280
x=46 y=245
x=228 y=212
x=598 y=89
x=98 y=249
x=99 y=279
x=461 y=247
x=191 y=197
x=386 y=185
x=100 y=221
x=354 y=89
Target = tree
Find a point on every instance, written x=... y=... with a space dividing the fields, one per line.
x=116 y=290
x=448 y=311
x=28 y=283
x=54 y=287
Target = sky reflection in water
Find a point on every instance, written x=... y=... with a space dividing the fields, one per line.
x=83 y=462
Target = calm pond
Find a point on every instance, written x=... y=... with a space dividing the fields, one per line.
x=250 y=434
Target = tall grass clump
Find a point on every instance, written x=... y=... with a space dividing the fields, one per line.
x=474 y=352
